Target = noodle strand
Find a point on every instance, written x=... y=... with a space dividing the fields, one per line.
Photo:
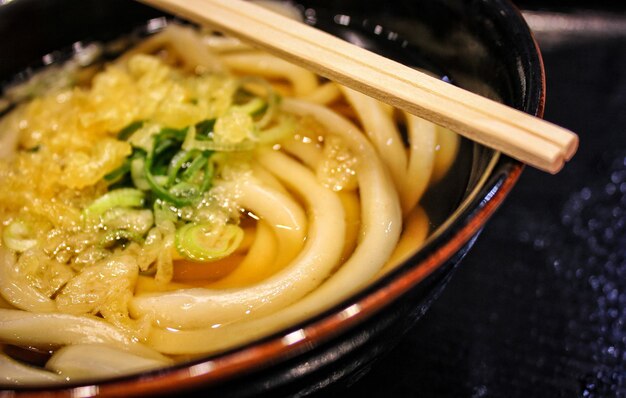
x=193 y=308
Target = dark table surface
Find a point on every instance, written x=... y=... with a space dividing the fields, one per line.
x=538 y=307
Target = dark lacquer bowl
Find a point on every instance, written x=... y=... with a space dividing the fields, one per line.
x=482 y=45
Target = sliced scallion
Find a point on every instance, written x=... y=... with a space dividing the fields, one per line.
x=164 y=211
x=284 y=129
x=204 y=129
x=254 y=107
x=178 y=162
x=138 y=175
x=123 y=197
x=129 y=130
x=207 y=242
x=191 y=142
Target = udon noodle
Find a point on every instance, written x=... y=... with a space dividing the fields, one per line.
x=193 y=195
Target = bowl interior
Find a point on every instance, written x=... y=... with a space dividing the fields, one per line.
x=483 y=46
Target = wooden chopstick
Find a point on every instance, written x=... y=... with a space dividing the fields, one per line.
x=527 y=138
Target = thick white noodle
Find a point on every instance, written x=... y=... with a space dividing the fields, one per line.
x=185 y=42
x=416 y=227
x=5 y=304
x=278 y=238
x=200 y=307
x=261 y=64
x=382 y=132
x=268 y=179
x=423 y=140
x=224 y=44
x=98 y=361
x=381 y=226
x=325 y=94
x=17 y=289
x=258 y=264
x=216 y=319
x=307 y=153
x=282 y=213
x=448 y=143
x=381 y=216
x=55 y=330
x=13 y=373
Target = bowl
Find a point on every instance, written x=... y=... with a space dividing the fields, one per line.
x=482 y=45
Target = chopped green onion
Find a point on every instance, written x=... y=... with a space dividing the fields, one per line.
x=119 y=175
x=157 y=185
x=120 y=172
x=271 y=101
x=207 y=242
x=195 y=166
x=123 y=197
x=191 y=142
x=18 y=236
x=174 y=135
x=284 y=129
x=175 y=166
x=129 y=130
x=164 y=211
x=170 y=172
x=138 y=174
x=254 y=107
x=185 y=190
x=163 y=193
x=204 y=129
x=135 y=220
x=207 y=178
x=178 y=162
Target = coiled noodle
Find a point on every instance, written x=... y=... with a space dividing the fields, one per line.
x=193 y=195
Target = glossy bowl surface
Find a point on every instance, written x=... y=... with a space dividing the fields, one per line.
x=482 y=45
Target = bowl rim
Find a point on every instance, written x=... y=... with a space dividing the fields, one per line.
x=357 y=308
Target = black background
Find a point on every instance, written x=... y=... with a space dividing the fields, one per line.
x=538 y=307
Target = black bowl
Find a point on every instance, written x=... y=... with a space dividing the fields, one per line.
x=482 y=45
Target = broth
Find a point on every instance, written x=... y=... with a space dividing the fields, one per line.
x=300 y=211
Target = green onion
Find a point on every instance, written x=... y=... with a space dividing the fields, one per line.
x=207 y=178
x=123 y=197
x=138 y=175
x=268 y=109
x=178 y=162
x=254 y=107
x=120 y=172
x=159 y=189
x=129 y=130
x=284 y=129
x=119 y=175
x=207 y=242
x=196 y=165
x=164 y=211
x=191 y=142
x=135 y=220
x=185 y=190
x=204 y=129
x=173 y=135
x=18 y=236
x=171 y=172
x=175 y=166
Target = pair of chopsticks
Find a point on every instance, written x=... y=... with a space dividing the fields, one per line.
x=524 y=137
